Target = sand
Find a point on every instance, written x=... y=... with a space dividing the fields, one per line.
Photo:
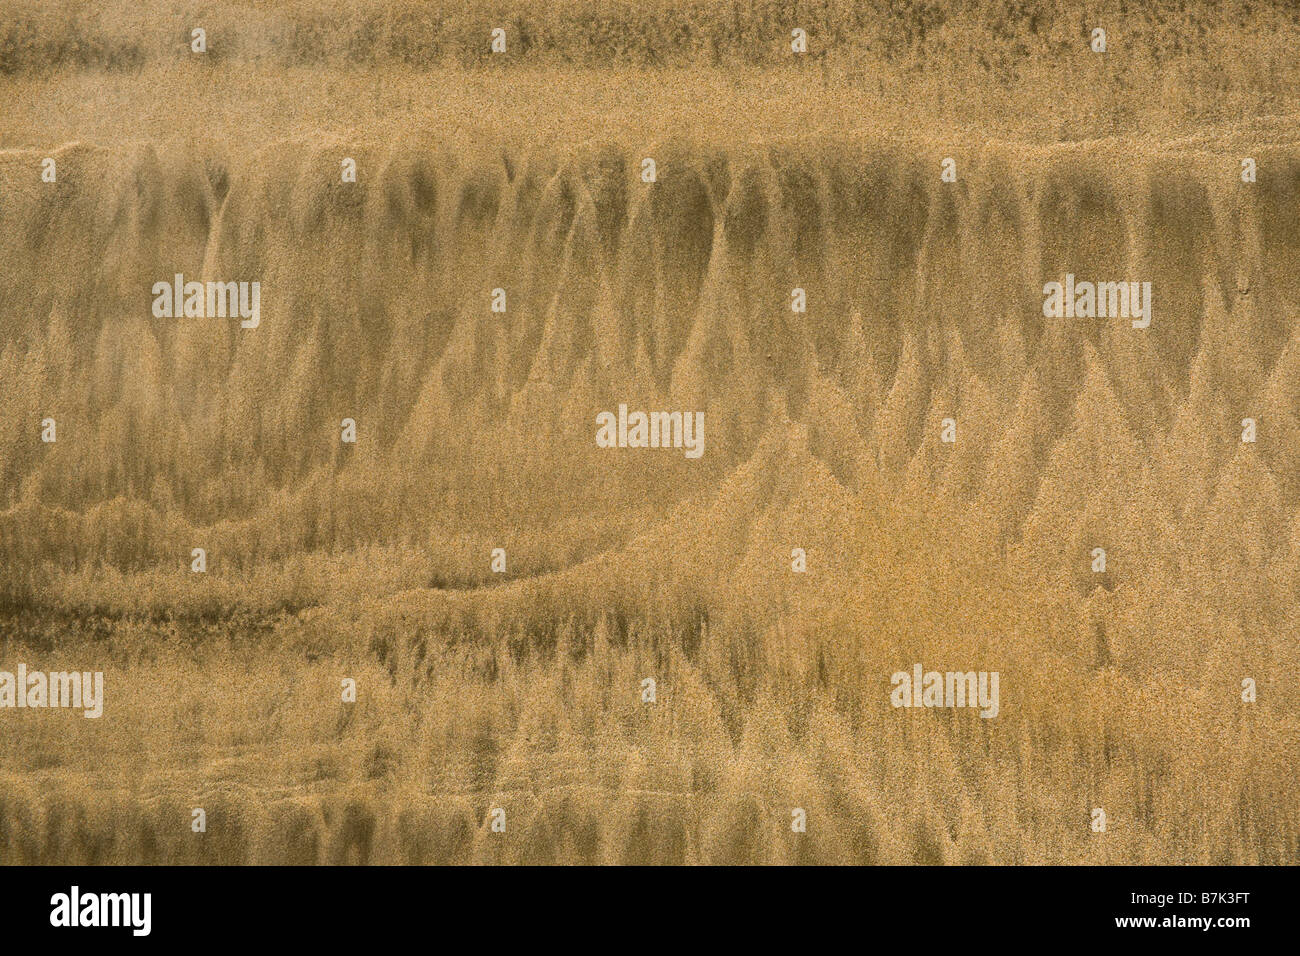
x=432 y=617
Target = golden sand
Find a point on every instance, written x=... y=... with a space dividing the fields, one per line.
x=1159 y=688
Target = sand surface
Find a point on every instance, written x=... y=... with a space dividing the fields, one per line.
x=827 y=537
